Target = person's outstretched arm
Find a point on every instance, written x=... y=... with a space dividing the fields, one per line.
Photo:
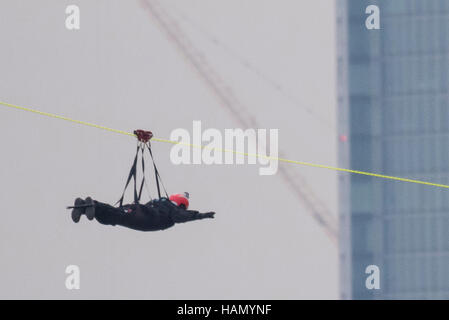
x=180 y=215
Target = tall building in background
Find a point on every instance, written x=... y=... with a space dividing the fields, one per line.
x=394 y=119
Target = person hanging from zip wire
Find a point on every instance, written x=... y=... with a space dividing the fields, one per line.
x=158 y=214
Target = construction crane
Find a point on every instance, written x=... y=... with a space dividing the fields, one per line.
x=242 y=115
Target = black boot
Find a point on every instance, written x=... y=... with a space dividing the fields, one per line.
x=78 y=211
x=90 y=210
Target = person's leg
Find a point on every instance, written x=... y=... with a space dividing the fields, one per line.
x=130 y=216
x=107 y=214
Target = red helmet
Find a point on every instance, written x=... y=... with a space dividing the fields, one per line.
x=181 y=199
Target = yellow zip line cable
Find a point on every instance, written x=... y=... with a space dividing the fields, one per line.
x=51 y=115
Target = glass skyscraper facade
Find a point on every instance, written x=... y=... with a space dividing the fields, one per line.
x=393 y=92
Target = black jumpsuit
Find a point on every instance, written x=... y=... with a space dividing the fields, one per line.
x=155 y=215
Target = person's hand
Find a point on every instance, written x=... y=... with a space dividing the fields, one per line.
x=209 y=215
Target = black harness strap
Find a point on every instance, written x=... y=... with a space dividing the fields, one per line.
x=156 y=174
x=132 y=174
x=143 y=173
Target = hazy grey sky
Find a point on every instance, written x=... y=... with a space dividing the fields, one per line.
x=120 y=70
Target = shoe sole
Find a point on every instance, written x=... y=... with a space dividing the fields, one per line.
x=90 y=211
x=77 y=212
